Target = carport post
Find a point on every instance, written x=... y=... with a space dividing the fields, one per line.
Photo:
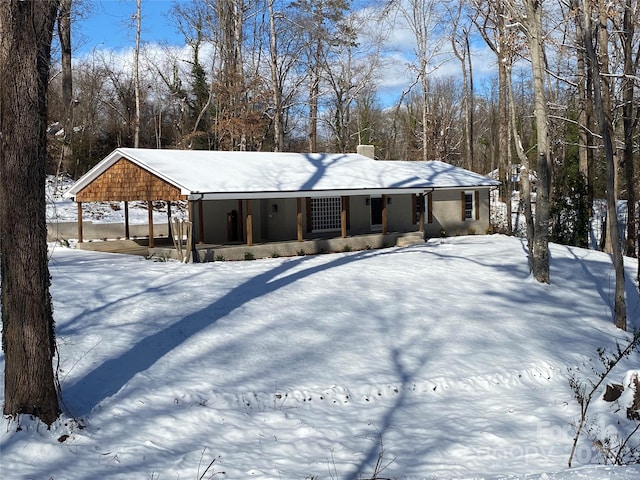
x=200 y=221
x=151 y=239
x=126 y=220
x=79 y=222
x=299 y=218
x=421 y=198
x=343 y=216
x=384 y=214
x=249 y=225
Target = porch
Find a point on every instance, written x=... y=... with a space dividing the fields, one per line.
x=163 y=249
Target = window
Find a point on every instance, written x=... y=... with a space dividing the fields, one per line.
x=325 y=214
x=418 y=205
x=423 y=205
x=470 y=206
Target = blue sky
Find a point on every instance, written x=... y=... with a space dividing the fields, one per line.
x=108 y=24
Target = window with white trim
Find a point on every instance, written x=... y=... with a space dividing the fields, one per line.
x=325 y=214
x=470 y=205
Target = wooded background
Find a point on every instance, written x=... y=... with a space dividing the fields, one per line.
x=306 y=76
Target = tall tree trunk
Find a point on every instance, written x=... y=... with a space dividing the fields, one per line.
x=136 y=75
x=28 y=337
x=540 y=255
x=599 y=65
x=492 y=26
x=628 y=124
x=462 y=50
x=585 y=115
x=504 y=167
x=314 y=94
x=525 y=183
x=276 y=87
x=231 y=23
x=470 y=107
x=64 y=36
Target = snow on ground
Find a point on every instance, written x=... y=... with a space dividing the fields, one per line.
x=446 y=360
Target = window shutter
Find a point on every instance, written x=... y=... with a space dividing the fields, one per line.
x=430 y=208
x=477 y=204
x=462 y=203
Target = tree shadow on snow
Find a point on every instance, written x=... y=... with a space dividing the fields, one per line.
x=109 y=377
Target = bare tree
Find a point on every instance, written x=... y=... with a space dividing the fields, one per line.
x=285 y=52
x=28 y=338
x=136 y=75
x=231 y=111
x=491 y=20
x=585 y=107
x=461 y=44
x=423 y=18
x=316 y=22
x=350 y=69
x=630 y=117
x=527 y=16
x=64 y=36
x=596 y=44
x=276 y=82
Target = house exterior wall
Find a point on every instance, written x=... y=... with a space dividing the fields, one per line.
x=400 y=214
x=360 y=215
x=447 y=218
x=214 y=220
x=274 y=220
x=279 y=219
x=279 y=223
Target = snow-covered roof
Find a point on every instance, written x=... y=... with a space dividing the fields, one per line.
x=217 y=174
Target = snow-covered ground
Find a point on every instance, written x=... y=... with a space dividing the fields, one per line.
x=446 y=360
x=439 y=361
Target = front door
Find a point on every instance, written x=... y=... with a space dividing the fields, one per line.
x=232 y=226
x=376 y=212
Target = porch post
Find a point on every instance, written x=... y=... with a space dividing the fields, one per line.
x=249 y=224
x=343 y=216
x=384 y=214
x=421 y=210
x=299 y=218
x=80 y=222
x=200 y=221
x=150 y=208
x=194 y=250
x=126 y=220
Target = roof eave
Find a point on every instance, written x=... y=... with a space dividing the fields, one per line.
x=193 y=196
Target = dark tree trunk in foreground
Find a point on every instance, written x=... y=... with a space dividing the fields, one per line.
x=28 y=340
